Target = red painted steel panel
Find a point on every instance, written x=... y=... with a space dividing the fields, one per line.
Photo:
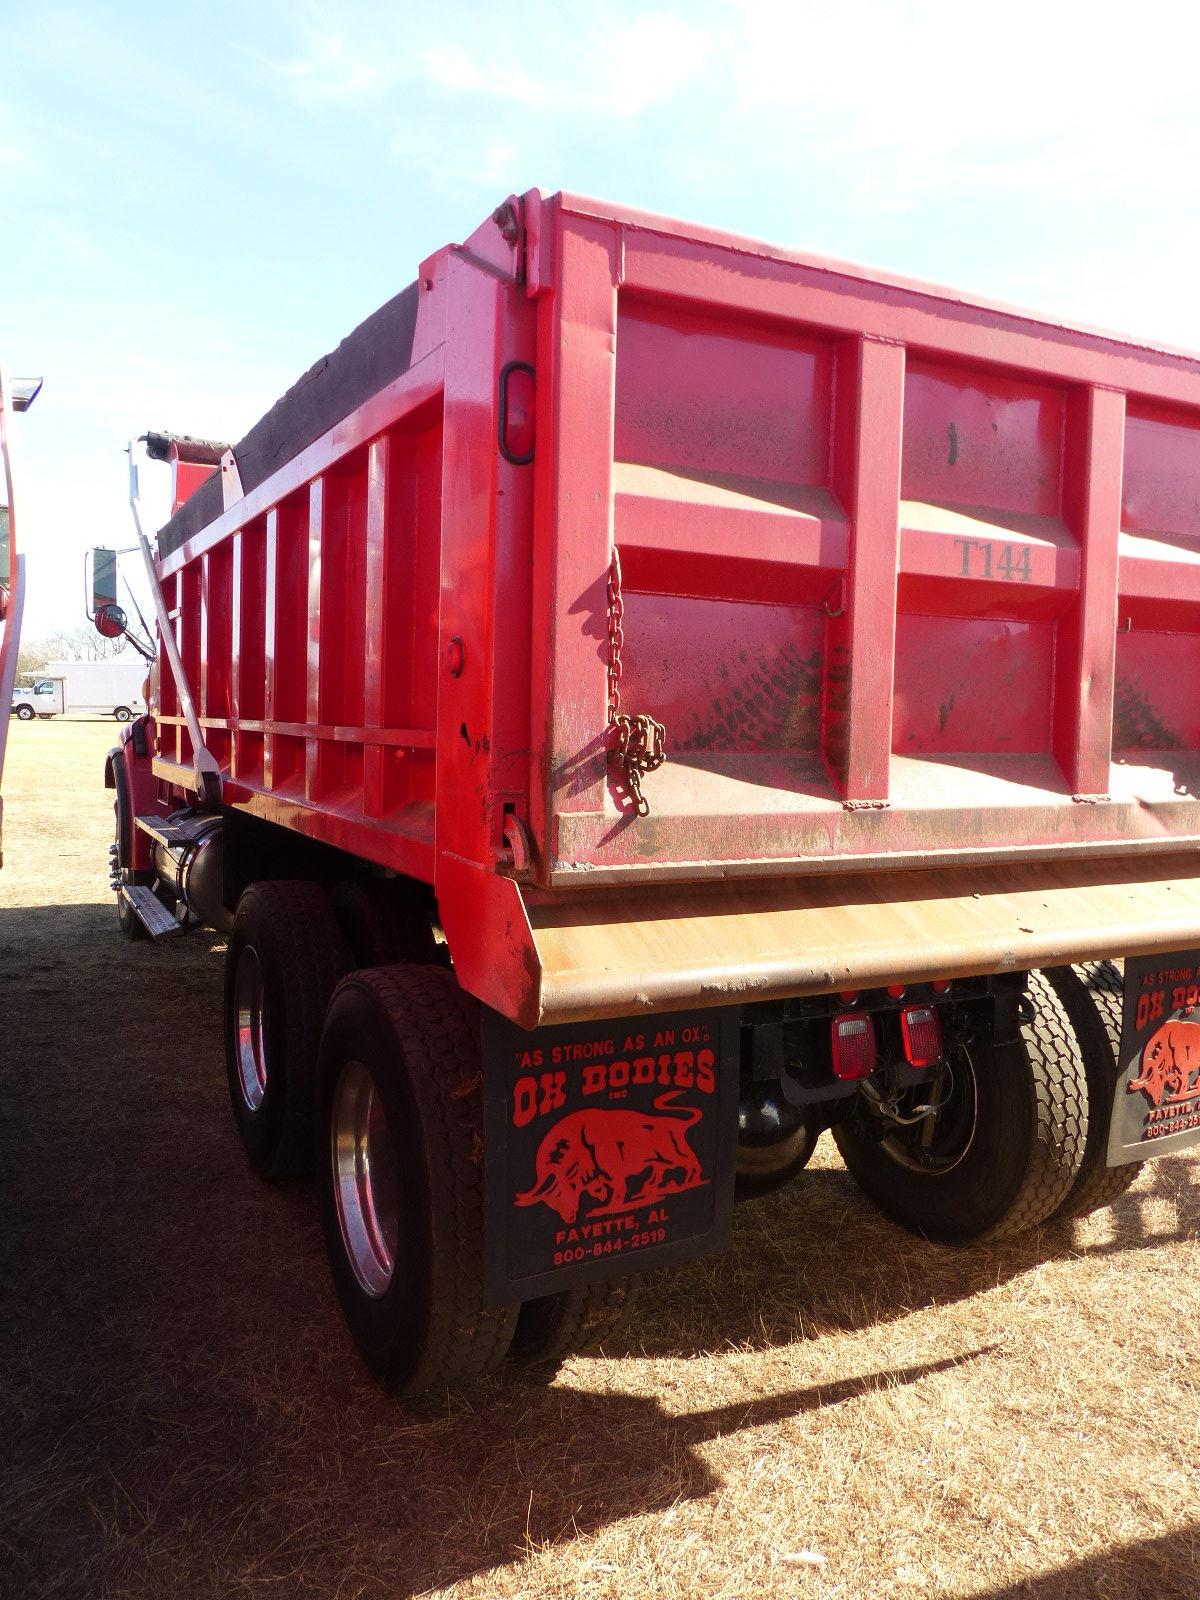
x=721 y=398
x=905 y=578
x=978 y=437
x=861 y=654
x=972 y=685
x=1161 y=481
x=693 y=660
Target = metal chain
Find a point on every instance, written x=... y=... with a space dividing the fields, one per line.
x=637 y=743
x=616 y=637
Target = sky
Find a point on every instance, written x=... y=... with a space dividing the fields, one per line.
x=197 y=201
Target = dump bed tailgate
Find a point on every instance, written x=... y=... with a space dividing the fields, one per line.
x=905 y=579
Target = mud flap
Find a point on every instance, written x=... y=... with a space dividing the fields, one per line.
x=608 y=1147
x=1157 y=1107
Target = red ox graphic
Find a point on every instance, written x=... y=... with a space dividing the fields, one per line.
x=617 y=1158
x=1170 y=1063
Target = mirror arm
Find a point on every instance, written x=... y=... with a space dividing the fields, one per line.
x=208 y=771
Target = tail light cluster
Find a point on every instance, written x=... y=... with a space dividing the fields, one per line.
x=854 y=1048
x=921 y=1030
x=852 y=1043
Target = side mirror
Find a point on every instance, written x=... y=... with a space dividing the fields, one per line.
x=24 y=392
x=104 y=581
x=111 y=621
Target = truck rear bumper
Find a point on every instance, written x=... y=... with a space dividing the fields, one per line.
x=553 y=958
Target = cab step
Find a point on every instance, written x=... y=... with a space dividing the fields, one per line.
x=176 y=830
x=149 y=910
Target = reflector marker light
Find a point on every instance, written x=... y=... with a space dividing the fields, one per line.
x=852 y=1045
x=516 y=413
x=922 y=1030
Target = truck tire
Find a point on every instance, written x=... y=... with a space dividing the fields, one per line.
x=1008 y=1143
x=283 y=962
x=770 y=1151
x=1093 y=996
x=24 y=713
x=384 y=921
x=556 y=1326
x=400 y=1177
x=123 y=714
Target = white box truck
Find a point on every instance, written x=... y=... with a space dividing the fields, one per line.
x=84 y=688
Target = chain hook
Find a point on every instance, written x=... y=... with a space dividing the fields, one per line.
x=636 y=743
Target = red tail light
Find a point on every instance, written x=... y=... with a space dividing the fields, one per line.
x=922 y=1030
x=852 y=1045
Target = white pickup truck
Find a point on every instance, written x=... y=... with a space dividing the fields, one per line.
x=83 y=688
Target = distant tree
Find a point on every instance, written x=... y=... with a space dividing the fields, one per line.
x=81 y=643
x=32 y=657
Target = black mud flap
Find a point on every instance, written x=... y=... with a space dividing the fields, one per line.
x=608 y=1147
x=1158 y=1081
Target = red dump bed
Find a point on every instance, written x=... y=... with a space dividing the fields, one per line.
x=908 y=580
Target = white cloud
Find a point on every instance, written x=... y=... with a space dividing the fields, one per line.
x=17 y=153
x=607 y=61
x=449 y=66
x=912 y=102
x=329 y=69
x=906 y=103
x=651 y=61
x=493 y=165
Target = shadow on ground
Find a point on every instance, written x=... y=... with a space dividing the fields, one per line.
x=180 y=1408
x=1148 y=1570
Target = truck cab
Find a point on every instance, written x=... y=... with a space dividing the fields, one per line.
x=41 y=698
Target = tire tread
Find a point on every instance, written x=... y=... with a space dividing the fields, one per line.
x=1060 y=1089
x=1093 y=996
x=295 y=922
x=556 y=1326
x=436 y=1025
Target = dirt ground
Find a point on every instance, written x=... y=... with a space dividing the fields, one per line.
x=830 y=1409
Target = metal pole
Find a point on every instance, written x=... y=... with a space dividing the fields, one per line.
x=208 y=771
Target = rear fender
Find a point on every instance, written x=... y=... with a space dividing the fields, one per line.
x=131 y=776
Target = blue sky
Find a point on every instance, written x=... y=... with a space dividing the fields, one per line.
x=196 y=201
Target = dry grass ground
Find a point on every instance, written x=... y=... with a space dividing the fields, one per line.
x=831 y=1409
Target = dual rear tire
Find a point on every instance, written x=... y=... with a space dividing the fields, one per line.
x=373 y=1079
x=285 y=957
x=400 y=1177
x=1022 y=1138
x=1093 y=996
x=1003 y=1151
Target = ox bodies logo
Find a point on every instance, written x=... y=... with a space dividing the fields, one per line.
x=1158 y=1089
x=616 y=1158
x=608 y=1146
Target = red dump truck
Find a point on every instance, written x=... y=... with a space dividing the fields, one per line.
x=648 y=698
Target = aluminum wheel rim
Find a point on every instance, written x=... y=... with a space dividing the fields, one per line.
x=365 y=1179
x=251 y=1045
